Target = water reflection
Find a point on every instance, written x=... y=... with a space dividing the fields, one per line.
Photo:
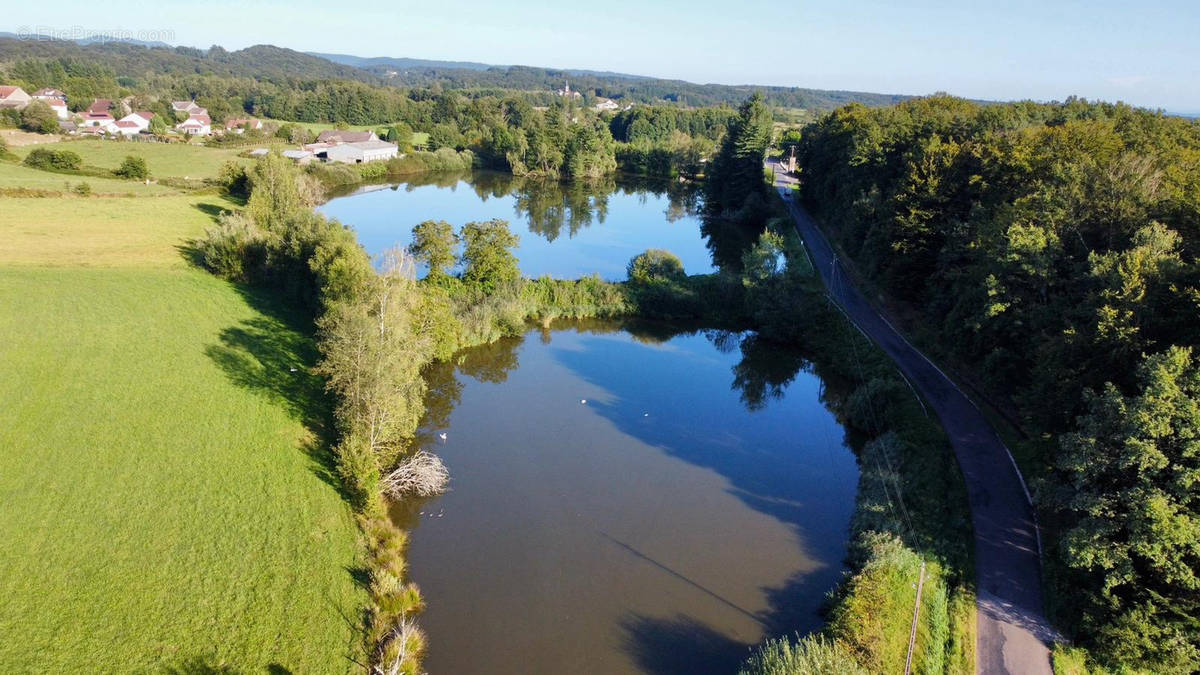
x=570 y=229
x=627 y=497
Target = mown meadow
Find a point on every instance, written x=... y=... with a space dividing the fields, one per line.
x=167 y=497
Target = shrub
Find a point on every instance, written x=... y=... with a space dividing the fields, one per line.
x=53 y=160
x=235 y=249
x=134 y=168
x=39 y=117
x=83 y=189
x=655 y=265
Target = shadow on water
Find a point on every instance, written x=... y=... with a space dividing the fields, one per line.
x=761 y=375
x=681 y=646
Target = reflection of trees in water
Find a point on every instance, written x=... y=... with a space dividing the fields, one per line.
x=761 y=375
x=727 y=241
x=548 y=206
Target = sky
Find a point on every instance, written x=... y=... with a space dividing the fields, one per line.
x=1146 y=53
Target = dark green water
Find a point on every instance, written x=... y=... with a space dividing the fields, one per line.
x=642 y=501
x=567 y=230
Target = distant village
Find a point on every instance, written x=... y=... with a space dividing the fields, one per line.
x=100 y=120
x=105 y=118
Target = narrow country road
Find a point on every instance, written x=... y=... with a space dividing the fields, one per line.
x=1013 y=633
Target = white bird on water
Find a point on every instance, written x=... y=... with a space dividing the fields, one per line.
x=442 y=436
x=583 y=401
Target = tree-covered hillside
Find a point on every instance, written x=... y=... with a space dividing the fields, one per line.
x=1051 y=251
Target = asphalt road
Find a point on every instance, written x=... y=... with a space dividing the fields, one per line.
x=1013 y=633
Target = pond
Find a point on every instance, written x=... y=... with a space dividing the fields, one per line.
x=567 y=230
x=632 y=498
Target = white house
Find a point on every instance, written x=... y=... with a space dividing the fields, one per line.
x=13 y=97
x=608 y=104
x=59 y=107
x=134 y=123
x=49 y=94
x=54 y=98
x=98 y=121
x=362 y=152
x=195 y=125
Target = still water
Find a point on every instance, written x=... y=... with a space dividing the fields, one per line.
x=626 y=499
x=567 y=230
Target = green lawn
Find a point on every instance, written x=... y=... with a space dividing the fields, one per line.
x=103 y=231
x=166 y=160
x=18 y=176
x=166 y=503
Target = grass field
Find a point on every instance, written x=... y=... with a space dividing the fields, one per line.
x=166 y=160
x=18 y=176
x=166 y=504
x=108 y=232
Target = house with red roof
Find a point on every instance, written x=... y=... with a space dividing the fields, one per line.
x=237 y=126
x=134 y=123
x=13 y=97
x=195 y=125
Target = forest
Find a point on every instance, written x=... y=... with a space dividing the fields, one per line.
x=1048 y=251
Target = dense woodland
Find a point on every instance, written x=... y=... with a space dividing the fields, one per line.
x=1050 y=250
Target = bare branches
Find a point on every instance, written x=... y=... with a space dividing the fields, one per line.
x=422 y=475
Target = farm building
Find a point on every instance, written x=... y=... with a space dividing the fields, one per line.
x=362 y=152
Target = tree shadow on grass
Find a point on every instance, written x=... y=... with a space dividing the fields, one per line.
x=199 y=665
x=273 y=355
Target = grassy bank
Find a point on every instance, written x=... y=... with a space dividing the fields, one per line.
x=167 y=505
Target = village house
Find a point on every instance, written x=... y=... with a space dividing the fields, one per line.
x=189 y=108
x=238 y=126
x=195 y=125
x=54 y=98
x=97 y=119
x=100 y=106
x=49 y=94
x=134 y=123
x=13 y=97
x=362 y=152
x=607 y=104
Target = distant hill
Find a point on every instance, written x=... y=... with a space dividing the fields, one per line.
x=402 y=63
x=131 y=60
x=638 y=88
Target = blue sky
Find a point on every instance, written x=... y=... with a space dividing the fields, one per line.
x=1146 y=53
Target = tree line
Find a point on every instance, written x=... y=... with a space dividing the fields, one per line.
x=1050 y=250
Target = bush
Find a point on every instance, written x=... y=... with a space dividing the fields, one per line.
x=134 y=168
x=39 y=117
x=655 y=265
x=235 y=249
x=83 y=189
x=53 y=160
